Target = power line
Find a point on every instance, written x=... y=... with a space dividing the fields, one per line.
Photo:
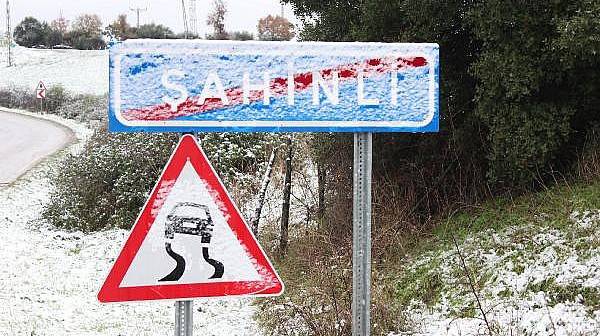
x=192 y=18
x=186 y=28
x=137 y=10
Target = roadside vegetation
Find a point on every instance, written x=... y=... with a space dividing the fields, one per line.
x=529 y=257
x=519 y=130
x=87 y=31
x=84 y=108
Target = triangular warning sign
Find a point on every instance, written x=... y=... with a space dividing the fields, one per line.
x=189 y=241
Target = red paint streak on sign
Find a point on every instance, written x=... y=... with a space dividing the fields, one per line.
x=278 y=87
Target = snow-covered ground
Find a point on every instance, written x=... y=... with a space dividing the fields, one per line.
x=531 y=279
x=80 y=71
x=25 y=140
x=50 y=278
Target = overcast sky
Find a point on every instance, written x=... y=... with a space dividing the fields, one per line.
x=242 y=14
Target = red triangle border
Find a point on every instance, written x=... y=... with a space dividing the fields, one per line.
x=188 y=149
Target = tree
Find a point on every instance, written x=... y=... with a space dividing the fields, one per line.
x=31 y=32
x=54 y=37
x=216 y=19
x=287 y=192
x=263 y=192
x=86 y=32
x=60 y=24
x=120 y=29
x=275 y=28
x=154 y=31
x=241 y=36
x=88 y=24
x=58 y=30
x=542 y=106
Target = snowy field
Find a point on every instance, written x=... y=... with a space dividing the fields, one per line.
x=80 y=71
x=50 y=278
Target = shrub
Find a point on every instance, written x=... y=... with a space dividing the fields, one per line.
x=106 y=184
x=84 y=107
x=59 y=101
x=19 y=98
x=56 y=96
x=31 y=32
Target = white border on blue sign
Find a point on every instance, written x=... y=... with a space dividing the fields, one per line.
x=237 y=47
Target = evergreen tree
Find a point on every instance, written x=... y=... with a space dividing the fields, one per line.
x=31 y=32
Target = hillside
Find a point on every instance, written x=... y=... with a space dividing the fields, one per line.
x=79 y=71
x=533 y=262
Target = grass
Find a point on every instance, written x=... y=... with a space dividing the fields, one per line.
x=515 y=232
x=552 y=208
x=499 y=239
x=557 y=293
x=421 y=283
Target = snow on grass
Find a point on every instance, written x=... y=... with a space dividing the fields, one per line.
x=79 y=71
x=531 y=280
x=50 y=278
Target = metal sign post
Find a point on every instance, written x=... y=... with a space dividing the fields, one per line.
x=361 y=247
x=184 y=318
x=184 y=310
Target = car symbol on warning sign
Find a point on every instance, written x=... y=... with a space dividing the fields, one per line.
x=190 y=219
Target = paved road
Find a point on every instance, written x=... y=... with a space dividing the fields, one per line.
x=25 y=141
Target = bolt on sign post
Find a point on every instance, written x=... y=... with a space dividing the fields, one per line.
x=229 y=86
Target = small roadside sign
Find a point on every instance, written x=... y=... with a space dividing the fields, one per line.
x=190 y=241
x=41 y=90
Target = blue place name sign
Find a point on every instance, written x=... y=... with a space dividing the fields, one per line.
x=187 y=86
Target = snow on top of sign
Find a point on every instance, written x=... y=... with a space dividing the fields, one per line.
x=280 y=47
x=401 y=77
x=373 y=69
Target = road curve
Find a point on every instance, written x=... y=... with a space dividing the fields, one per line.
x=26 y=140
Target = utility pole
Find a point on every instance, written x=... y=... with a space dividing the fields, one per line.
x=137 y=10
x=8 y=33
x=193 y=20
x=186 y=28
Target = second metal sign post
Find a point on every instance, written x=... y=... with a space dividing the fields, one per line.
x=361 y=231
